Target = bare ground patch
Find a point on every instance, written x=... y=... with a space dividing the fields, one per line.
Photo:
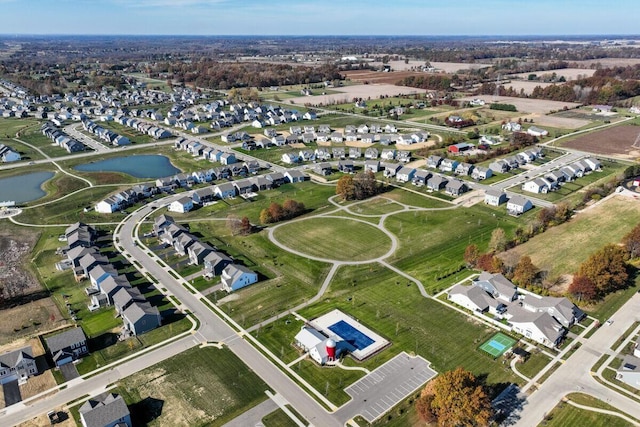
x=617 y=141
x=29 y=319
x=373 y=91
x=526 y=105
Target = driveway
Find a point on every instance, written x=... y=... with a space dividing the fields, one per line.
x=69 y=371
x=11 y=393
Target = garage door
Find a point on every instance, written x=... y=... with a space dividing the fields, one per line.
x=9 y=379
x=64 y=361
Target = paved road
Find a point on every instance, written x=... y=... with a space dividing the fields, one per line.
x=80 y=387
x=575 y=374
x=213 y=328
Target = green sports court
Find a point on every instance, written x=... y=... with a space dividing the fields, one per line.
x=497 y=345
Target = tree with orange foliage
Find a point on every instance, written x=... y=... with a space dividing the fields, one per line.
x=455 y=398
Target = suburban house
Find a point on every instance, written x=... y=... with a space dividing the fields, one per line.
x=236 y=276
x=8 y=154
x=323 y=168
x=448 y=165
x=464 y=169
x=294 y=175
x=480 y=172
x=140 y=317
x=17 y=365
x=224 y=190
x=495 y=197
x=203 y=195
x=125 y=297
x=420 y=178
x=372 y=166
x=629 y=371
x=182 y=205
x=434 y=161
x=215 y=263
x=105 y=410
x=455 y=187
x=290 y=158
x=405 y=174
x=499 y=166
x=67 y=346
x=436 y=182
x=512 y=127
x=518 y=205
x=346 y=166
x=539 y=327
x=537 y=185
x=109 y=287
x=198 y=252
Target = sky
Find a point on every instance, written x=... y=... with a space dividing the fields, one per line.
x=320 y=17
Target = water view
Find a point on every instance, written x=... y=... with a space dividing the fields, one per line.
x=143 y=166
x=24 y=188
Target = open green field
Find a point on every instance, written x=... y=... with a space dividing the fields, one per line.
x=27 y=153
x=134 y=136
x=534 y=364
x=9 y=126
x=432 y=243
x=561 y=249
x=33 y=136
x=376 y=206
x=334 y=238
x=565 y=415
x=202 y=386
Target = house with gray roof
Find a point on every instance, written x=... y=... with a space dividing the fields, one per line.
x=110 y=286
x=560 y=308
x=124 y=297
x=140 y=317
x=518 y=205
x=456 y=187
x=495 y=197
x=236 y=276
x=215 y=262
x=629 y=371
x=67 y=346
x=436 y=182
x=17 y=365
x=198 y=251
x=497 y=286
x=105 y=410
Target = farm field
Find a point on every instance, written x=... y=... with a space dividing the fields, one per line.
x=567 y=73
x=605 y=223
x=334 y=238
x=615 y=141
x=527 y=105
x=347 y=93
x=202 y=386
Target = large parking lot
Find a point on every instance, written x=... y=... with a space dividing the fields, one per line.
x=379 y=391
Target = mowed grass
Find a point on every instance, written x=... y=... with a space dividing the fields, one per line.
x=386 y=303
x=334 y=238
x=432 y=243
x=561 y=249
x=202 y=386
x=565 y=415
x=376 y=206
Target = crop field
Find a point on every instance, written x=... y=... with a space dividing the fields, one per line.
x=334 y=238
x=567 y=73
x=616 y=141
x=202 y=386
x=384 y=87
x=555 y=253
x=529 y=105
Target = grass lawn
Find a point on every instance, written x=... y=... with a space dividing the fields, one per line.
x=334 y=238
x=278 y=419
x=554 y=252
x=432 y=243
x=533 y=365
x=207 y=386
x=328 y=381
x=565 y=415
x=376 y=206
x=26 y=153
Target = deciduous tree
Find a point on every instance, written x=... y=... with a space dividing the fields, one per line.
x=525 y=273
x=498 y=241
x=632 y=242
x=471 y=255
x=583 y=289
x=458 y=399
x=276 y=212
x=607 y=268
x=233 y=224
x=245 y=226
x=346 y=188
x=265 y=216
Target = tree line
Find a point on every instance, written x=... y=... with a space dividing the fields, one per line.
x=359 y=187
x=277 y=212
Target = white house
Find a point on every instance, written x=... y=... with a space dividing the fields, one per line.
x=494 y=197
x=405 y=174
x=182 y=205
x=538 y=185
x=518 y=205
x=236 y=276
x=8 y=154
x=536 y=131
